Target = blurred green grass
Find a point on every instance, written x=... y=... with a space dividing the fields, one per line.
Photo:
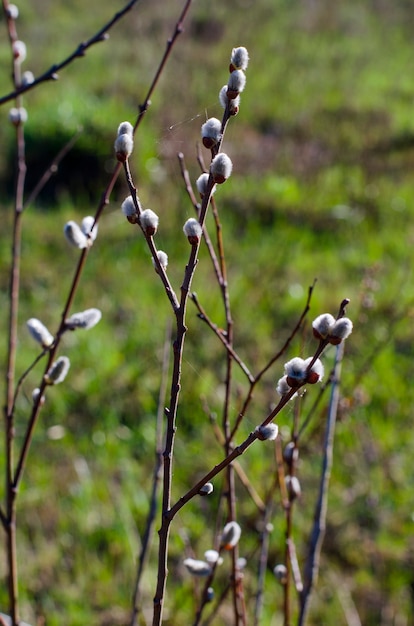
x=322 y=188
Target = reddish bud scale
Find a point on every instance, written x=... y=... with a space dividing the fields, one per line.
x=312 y=378
x=209 y=142
x=133 y=219
x=292 y=382
x=232 y=94
x=335 y=340
x=193 y=239
x=219 y=179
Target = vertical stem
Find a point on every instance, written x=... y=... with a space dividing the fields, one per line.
x=319 y=524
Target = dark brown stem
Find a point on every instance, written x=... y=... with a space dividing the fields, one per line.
x=318 y=531
x=147 y=537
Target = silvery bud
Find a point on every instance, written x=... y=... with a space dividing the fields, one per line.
x=89 y=228
x=39 y=332
x=57 y=371
x=231 y=535
x=74 y=235
x=149 y=222
x=129 y=210
x=268 y=432
x=85 y=319
x=236 y=84
x=192 y=229
x=206 y=489
x=233 y=104
x=211 y=132
x=213 y=557
x=197 y=567
x=27 y=78
x=163 y=259
x=239 y=59
x=12 y=12
x=36 y=395
x=19 y=50
x=124 y=145
x=293 y=487
x=18 y=115
x=221 y=168
x=280 y=572
x=202 y=185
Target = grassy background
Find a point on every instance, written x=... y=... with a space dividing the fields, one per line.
x=322 y=188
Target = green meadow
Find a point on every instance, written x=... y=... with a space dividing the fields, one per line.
x=322 y=190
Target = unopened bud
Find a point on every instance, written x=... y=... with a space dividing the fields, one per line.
x=36 y=396
x=163 y=259
x=236 y=84
x=129 y=210
x=206 y=489
x=125 y=128
x=18 y=115
x=27 y=78
x=293 y=487
x=89 y=228
x=213 y=557
x=75 y=236
x=197 y=567
x=268 y=432
x=233 y=104
x=202 y=185
x=149 y=222
x=323 y=325
x=192 y=229
x=280 y=571
x=297 y=372
x=19 y=50
x=231 y=535
x=211 y=132
x=12 y=12
x=124 y=145
x=340 y=330
x=57 y=371
x=84 y=319
x=221 y=168
x=210 y=594
x=39 y=332
x=290 y=452
x=239 y=59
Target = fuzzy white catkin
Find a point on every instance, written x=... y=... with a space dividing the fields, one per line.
x=211 y=132
x=124 y=145
x=19 y=50
x=236 y=83
x=128 y=207
x=74 y=235
x=58 y=371
x=125 y=128
x=197 y=567
x=193 y=231
x=39 y=332
x=221 y=168
x=84 y=319
x=86 y=227
x=231 y=535
x=239 y=59
x=149 y=221
x=163 y=259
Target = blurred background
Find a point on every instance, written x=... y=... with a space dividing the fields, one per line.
x=322 y=188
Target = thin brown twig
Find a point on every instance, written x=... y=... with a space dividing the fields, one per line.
x=318 y=530
x=80 y=51
x=157 y=473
